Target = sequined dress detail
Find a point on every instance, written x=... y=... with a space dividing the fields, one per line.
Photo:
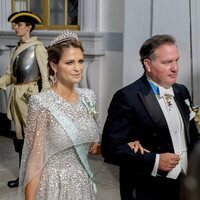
x=49 y=147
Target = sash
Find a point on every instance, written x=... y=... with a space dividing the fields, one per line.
x=72 y=131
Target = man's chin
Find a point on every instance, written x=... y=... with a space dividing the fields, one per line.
x=173 y=82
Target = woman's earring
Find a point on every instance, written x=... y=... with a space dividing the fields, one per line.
x=55 y=77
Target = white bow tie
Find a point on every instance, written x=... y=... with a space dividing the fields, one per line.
x=163 y=91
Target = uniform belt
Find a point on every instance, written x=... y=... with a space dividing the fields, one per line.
x=14 y=81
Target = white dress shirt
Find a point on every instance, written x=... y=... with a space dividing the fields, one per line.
x=176 y=129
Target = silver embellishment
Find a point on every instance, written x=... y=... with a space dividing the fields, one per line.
x=90 y=107
x=64 y=36
x=168 y=99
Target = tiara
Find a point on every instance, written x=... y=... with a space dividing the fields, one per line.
x=64 y=36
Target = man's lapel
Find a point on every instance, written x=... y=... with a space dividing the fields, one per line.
x=183 y=108
x=151 y=103
x=155 y=112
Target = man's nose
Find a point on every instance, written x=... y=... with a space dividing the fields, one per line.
x=175 y=66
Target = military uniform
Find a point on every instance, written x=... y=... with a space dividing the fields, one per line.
x=17 y=102
x=27 y=74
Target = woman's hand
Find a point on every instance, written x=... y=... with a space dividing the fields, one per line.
x=32 y=187
x=95 y=149
x=136 y=146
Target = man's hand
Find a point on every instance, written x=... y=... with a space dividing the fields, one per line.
x=136 y=146
x=168 y=161
x=95 y=149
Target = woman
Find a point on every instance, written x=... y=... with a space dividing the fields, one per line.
x=61 y=129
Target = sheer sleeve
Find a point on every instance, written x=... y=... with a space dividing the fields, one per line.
x=34 y=150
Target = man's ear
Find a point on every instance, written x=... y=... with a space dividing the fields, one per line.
x=147 y=64
x=29 y=27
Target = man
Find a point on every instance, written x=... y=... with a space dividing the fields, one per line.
x=156 y=111
x=26 y=74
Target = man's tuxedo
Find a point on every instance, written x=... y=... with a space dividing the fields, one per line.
x=135 y=114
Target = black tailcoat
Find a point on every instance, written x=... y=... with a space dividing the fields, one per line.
x=135 y=114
